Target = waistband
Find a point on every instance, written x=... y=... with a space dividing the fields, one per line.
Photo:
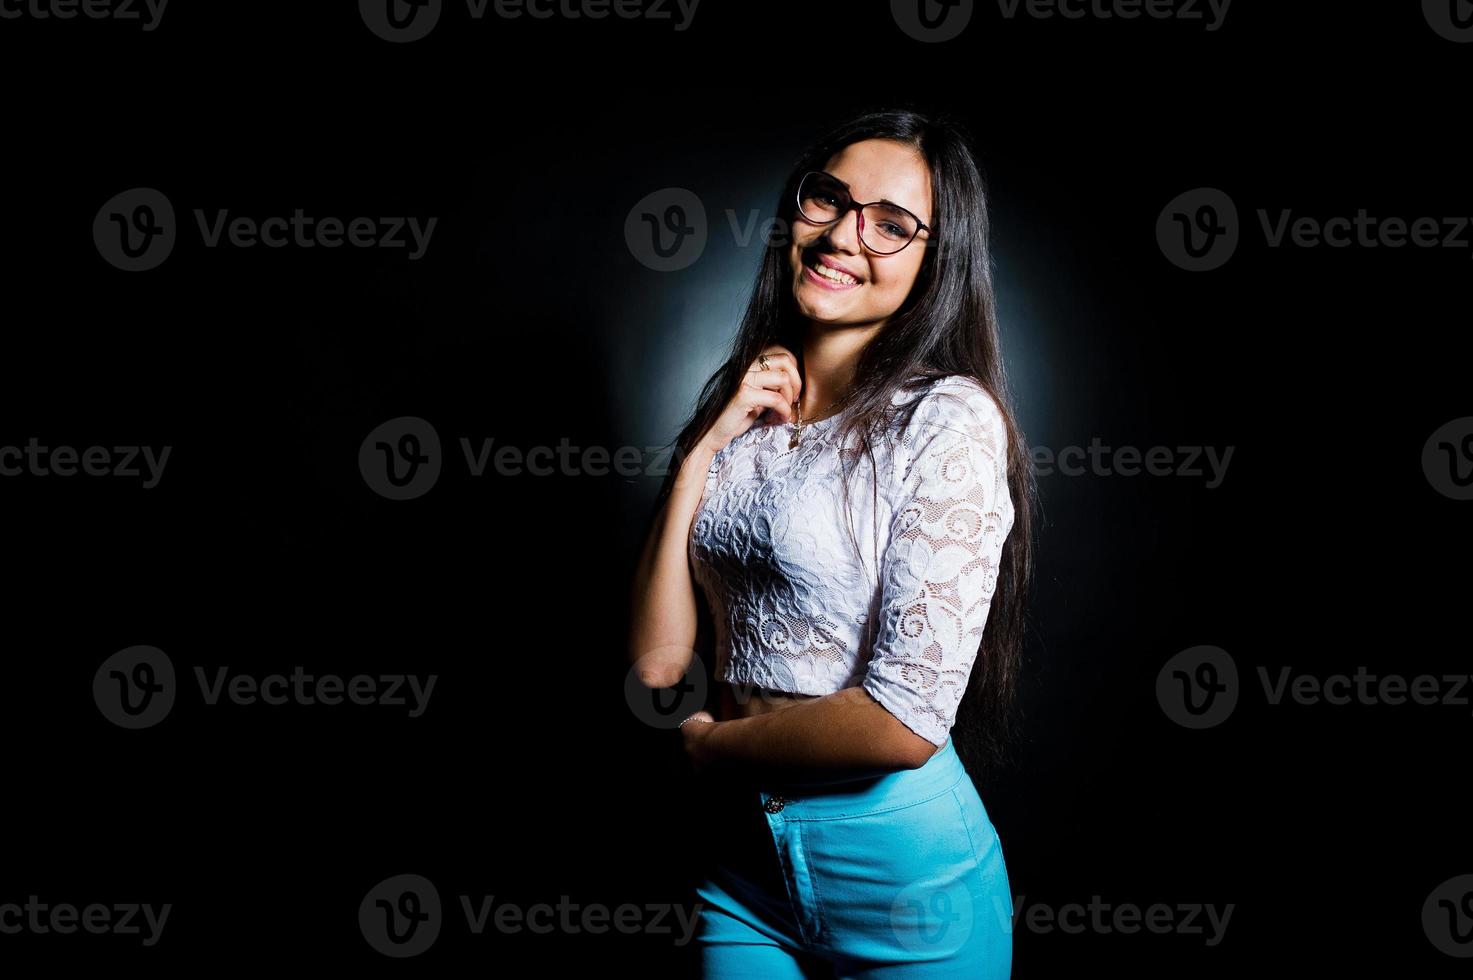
x=871 y=794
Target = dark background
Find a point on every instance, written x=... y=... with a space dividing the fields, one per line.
x=529 y=320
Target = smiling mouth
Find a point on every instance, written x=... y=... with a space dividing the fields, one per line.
x=831 y=275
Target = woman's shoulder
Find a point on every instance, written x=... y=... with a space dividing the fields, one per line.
x=950 y=413
x=956 y=399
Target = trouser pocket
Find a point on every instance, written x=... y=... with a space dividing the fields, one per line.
x=901 y=882
x=991 y=869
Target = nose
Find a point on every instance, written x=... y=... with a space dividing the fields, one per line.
x=844 y=233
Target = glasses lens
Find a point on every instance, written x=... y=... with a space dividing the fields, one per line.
x=887 y=228
x=821 y=198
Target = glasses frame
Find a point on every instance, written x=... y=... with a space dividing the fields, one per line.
x=855 y=206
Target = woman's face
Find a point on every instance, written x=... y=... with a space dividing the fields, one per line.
x=875 y=170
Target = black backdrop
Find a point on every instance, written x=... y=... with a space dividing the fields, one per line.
x=1327 y=545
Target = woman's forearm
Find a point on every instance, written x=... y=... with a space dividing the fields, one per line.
x=843 y=735
x=662 y=631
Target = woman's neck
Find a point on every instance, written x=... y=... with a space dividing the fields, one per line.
x=830 y=358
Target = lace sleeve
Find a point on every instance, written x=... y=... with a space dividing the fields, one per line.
x=940 y=565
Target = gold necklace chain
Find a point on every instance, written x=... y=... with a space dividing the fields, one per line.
x=798 y=426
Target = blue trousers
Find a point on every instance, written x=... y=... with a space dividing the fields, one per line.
x=894 y=876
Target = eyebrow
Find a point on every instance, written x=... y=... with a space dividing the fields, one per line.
x=883 y=200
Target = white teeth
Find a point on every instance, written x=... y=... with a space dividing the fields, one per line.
x=833 y=274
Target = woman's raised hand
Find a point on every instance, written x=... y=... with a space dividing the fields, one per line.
x=775 y=389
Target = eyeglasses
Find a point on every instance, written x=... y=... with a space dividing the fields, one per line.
x=884 y=228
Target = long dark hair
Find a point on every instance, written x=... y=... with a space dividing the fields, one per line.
x=946 y=326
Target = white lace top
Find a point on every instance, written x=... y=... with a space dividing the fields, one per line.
x=795 y=609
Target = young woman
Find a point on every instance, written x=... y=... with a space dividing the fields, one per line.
x=845 y=831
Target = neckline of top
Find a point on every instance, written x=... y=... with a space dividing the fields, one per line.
x=825 y=420
x=896 y=400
